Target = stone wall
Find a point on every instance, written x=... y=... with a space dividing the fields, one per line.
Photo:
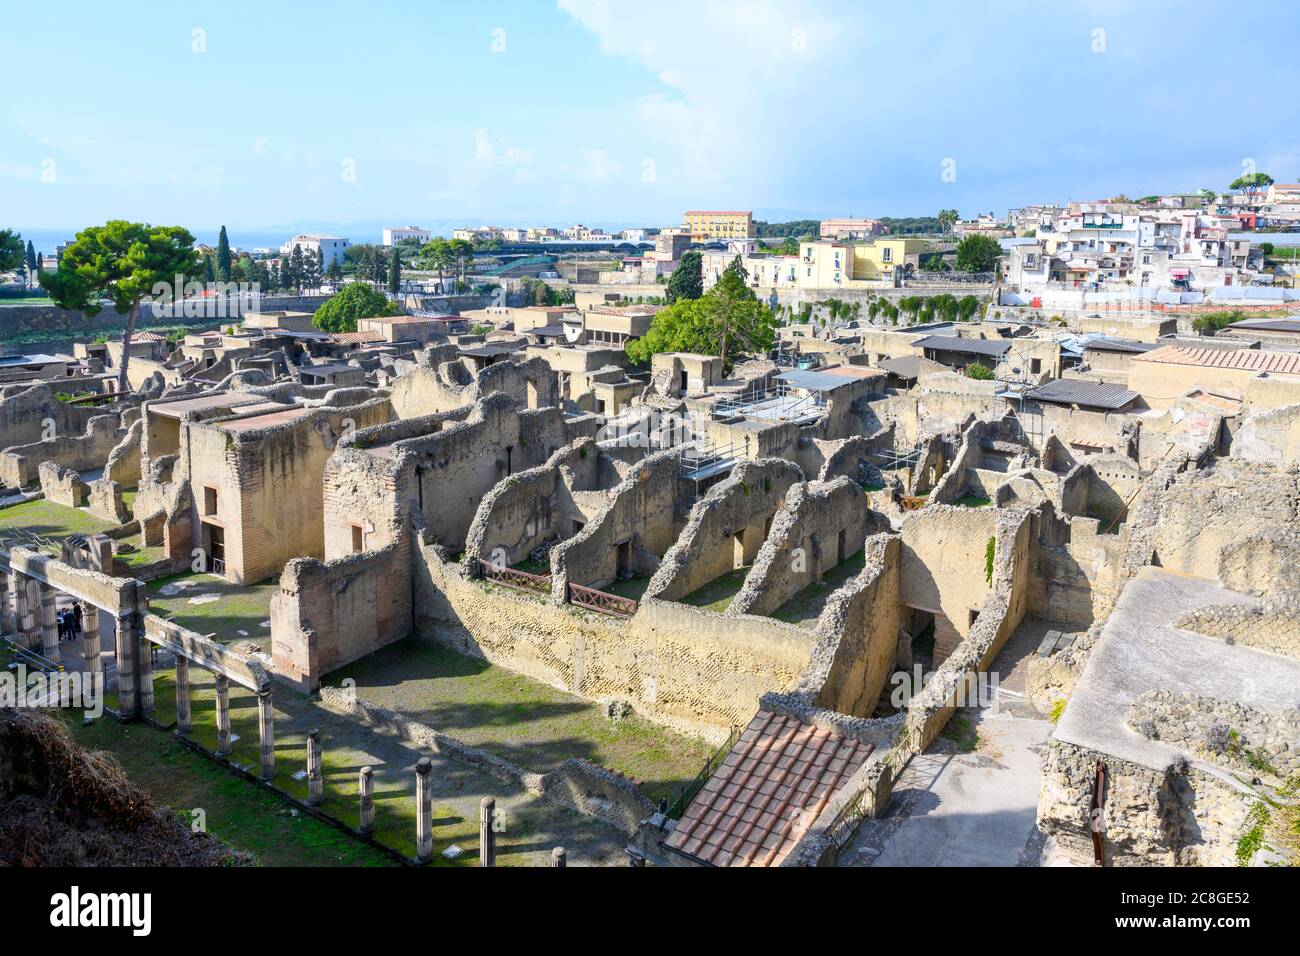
x=531 y=507
x=1222 y=732
x=1177 y=816
x=857 y=635
x=943 y=567
x=726 y=527
x=1273 y=626
x=63 y=486
x=326 y=615
x=819 y=526
x=80 y=452
x=30 y=412
x=630 y=535
x=681 y=666
x=428 y=390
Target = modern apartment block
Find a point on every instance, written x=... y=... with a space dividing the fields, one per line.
x=331 y=248
x=395 y=234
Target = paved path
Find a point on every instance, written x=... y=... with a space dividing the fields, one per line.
x=964 y=805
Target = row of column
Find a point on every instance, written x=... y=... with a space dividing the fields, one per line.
x=29 y=608
x=265 y=716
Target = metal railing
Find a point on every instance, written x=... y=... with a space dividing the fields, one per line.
x=726 y=407
x=219 y=566
x=601 y=601
x=694 y=458
x=28 y=656
x=688 y=792
x=511 y=578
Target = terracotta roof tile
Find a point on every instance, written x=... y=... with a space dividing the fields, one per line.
x=766 y=792
x=1249 y=360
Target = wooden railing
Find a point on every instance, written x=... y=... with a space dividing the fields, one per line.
x=601 y=601
x=911 y=502
x=520 y=580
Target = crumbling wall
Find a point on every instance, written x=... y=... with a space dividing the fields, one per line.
x=531 y=507
x=819 y=526
x=857 y=636
x=123 y=464
x=944 y=567
x=681 y=666
x=424 y=390
x=326 y=615
x=726 y=527
x=28 y=413
x=80 y=452
x=1175 y=816
x=63 y=486
x=1272 y=626
x=629 y=536
x=1270 y=437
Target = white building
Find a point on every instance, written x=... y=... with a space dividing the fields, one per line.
x=330 y=247
x=394 y=235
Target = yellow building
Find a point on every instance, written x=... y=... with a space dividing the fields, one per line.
x=837 y=265
x=713 y=224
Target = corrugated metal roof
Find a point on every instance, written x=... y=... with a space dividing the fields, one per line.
x=1063 y=391
x=953 y=343
x=1120 y=345
x=813 y=381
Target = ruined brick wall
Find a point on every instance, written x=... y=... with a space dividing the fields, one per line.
x=531 y=507
x=681 y=666
x=943 y=565
x=819 y=526
x=328 y=614
x=857 y=636
x=270 y=484
x=27 y=412
x=63 y=486
x=424 y=390
x=78 y=451
x=726 y=527
x=640 y=520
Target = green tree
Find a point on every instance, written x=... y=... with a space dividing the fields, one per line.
x=981 y=373
x=122 y=262
x=355 y=301
x=462 y=254
x=1251 y=185
x=395 y=272
x=223 y=256
x=335 y=272
x=11 y=250
x=296 y=269
x=31 y=259
x=947 y=217
x=726 y=320
x=687 y=280
x=436 y=256
x=978 y=254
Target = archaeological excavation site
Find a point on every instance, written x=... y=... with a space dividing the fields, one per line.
x=450 y=598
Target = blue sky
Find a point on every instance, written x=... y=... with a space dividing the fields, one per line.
x=619 y=112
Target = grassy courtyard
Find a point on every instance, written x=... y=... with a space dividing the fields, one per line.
x=209 y=604
x=520 y=719
x=718 y=594
x=50 y=520
x=806 y=607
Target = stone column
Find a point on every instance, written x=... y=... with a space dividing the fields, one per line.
x=22 y=607
x=315 y=782
x=487 y=837
x=127 y=701
x=366 y=790
x=90 y=638
x=559 y=857
x=183 y=695
x=223 y=715
x=144 y=673
x=50 y=649
x=423 y=810
x=266 y=733
x=7 y=624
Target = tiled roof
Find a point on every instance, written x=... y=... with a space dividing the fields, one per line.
x=148 y=337
x=1247 y=360
x=778 y=777
x=356 y=338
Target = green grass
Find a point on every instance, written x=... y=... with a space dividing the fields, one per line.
x=632 y=588
x=533 y=567
x=718 y=594
x=972 y=501
x=50 y=520
x=520 y=719
x=239 y=607
x=961 y=733
x=243 y=815
x=806 y=607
